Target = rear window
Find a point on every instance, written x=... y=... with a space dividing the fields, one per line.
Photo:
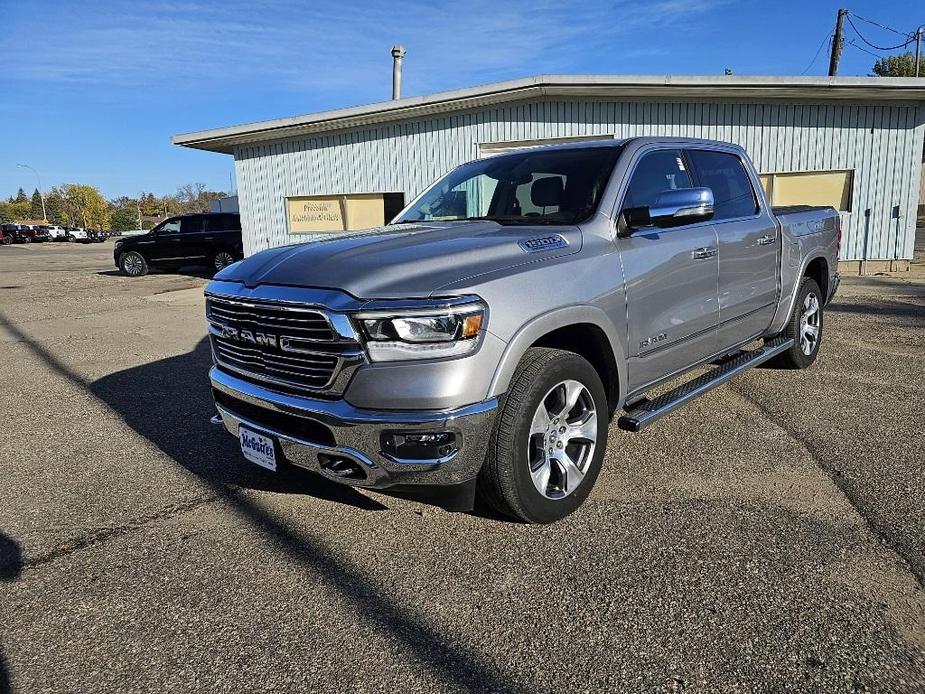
x=223 y=222
x=725 y=175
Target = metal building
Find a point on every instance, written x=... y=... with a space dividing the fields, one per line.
x=854 y=143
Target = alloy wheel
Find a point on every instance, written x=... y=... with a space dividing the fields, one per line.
x=223 y=259
x=563 y=436
x=809 y=324
x=132 y=265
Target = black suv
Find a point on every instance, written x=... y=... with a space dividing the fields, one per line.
x=191 y=239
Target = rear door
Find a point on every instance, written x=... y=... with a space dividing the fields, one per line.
x=670 y=277
x=222 y=230
x=192 y=233
x=748 y=245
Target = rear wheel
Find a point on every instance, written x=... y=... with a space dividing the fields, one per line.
x=222 y=259
x=548 y=443
x=804 y=326
x=7 y=239
x=133 y=264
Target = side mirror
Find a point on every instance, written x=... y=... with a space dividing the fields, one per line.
x=672 y=208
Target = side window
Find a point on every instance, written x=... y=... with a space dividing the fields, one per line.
x=191 y=224
x=216 y=222
x=656 y=172
x=724 y=174
x=171 y=226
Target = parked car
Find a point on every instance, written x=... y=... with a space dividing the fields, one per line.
x=486 y=337
x=18 y=233
x=210 y=238
x=76 y=234
x=40 y=234
x=5 y=238
x=54 y=231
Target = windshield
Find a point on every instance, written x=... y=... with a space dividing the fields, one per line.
x=545 y=186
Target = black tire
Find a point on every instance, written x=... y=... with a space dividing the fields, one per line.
x=7 y=239
x=505 y=481
x=797 y=357
x=133 y=264
x=221 y=259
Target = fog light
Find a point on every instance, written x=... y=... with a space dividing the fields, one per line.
x=429 y=445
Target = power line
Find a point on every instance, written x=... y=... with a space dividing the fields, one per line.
x=861 y=48
x=825 y=40
x=873 y=45
x=882 y=26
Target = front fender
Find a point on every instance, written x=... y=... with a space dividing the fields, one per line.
x=542 y=325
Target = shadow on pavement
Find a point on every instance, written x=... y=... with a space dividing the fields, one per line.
x=882 y=308
x=168 y=402
x=10 y=566
x=200 y=271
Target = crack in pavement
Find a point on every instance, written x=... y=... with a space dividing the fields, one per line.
x=101 y=535
x=839 y=482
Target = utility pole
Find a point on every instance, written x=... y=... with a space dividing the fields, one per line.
x=836 y=43
x=41 y=194
x=918 y=48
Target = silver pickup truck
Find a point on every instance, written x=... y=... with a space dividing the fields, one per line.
x=487 y=336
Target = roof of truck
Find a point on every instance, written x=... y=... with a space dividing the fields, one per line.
x=710 y=87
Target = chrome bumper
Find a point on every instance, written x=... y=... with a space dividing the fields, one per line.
x=356 y=433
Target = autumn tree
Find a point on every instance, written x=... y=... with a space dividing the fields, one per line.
x=85 y=206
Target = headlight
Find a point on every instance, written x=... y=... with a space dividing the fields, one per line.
x=118 y=245
x=422 y=333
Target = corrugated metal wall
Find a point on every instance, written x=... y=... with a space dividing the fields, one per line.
x=882 y=143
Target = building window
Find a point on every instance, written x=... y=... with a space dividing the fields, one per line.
x=810 y=188
x=319 y=214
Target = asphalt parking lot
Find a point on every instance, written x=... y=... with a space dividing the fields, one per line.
x=769 y=537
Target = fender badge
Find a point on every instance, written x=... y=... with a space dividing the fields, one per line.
x=543 y=243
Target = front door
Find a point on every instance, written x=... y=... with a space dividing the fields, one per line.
x=163 y=242
x=670 y=277
x=748 y=246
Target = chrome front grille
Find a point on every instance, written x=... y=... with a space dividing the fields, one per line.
x=302 y=323
x=290 y=346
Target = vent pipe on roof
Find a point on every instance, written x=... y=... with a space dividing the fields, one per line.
x=398 y=53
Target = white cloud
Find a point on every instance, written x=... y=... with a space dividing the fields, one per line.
x=327 y=46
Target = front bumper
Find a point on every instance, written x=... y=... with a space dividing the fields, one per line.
x=329 y=436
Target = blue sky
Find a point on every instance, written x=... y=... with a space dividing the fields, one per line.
x=92 y=91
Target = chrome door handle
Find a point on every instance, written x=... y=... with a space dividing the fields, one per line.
x=767 y=240
x=702 y=253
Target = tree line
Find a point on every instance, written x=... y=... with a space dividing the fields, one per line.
x=81 y=205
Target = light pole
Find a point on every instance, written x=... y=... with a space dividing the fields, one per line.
x=41 y=195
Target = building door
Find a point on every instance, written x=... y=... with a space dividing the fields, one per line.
x=670 y=277
x=749 y=244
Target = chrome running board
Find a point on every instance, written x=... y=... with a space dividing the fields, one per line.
x=644 y=412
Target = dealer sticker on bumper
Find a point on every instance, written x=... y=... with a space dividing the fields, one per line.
x=257 y=449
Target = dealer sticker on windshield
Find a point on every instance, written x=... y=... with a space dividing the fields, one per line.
x=258 y=449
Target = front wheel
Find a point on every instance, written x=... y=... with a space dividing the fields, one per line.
x=804 y=326
x=133 y=264
x=548 y=443
x=7 y=239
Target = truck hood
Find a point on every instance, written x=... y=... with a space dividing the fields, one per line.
x=403 y=260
